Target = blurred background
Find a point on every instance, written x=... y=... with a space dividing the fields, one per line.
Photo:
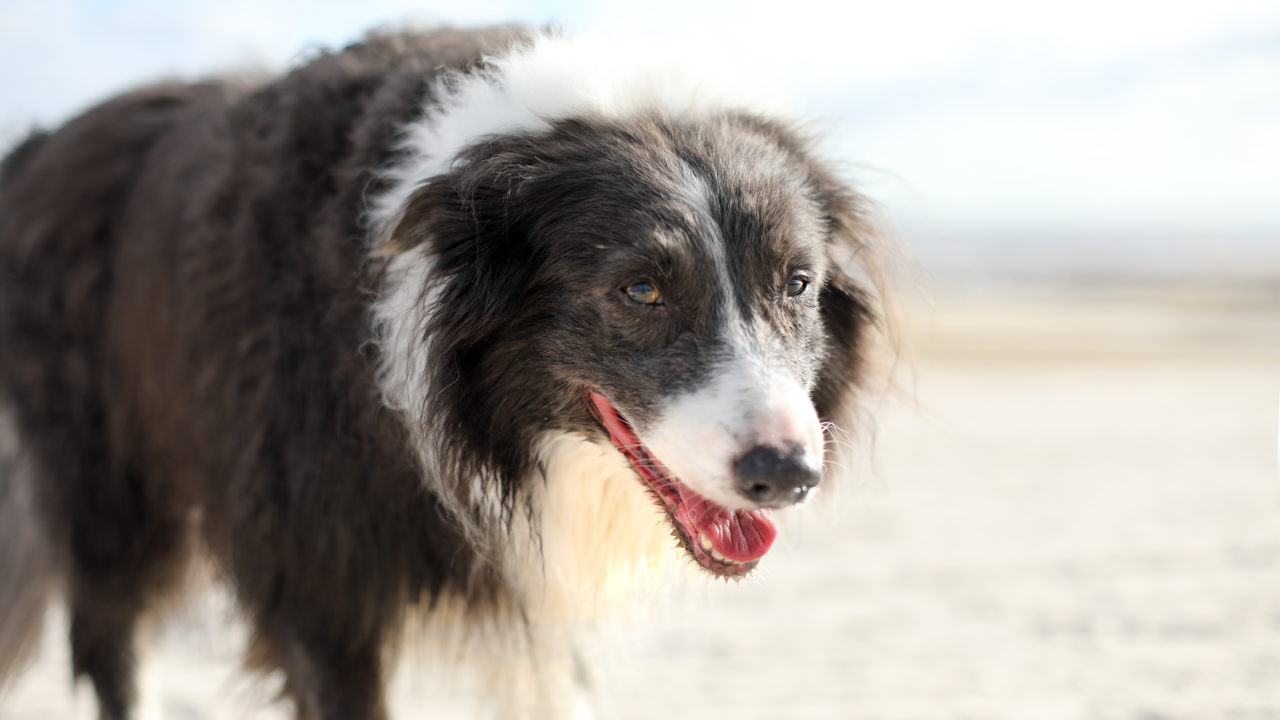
x=1070 y=508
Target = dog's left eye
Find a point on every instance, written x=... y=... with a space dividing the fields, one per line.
x=645 y=293
x=796 y=286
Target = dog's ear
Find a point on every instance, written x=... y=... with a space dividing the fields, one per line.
x=850 y=309
x=471 y=225
x=409 y=228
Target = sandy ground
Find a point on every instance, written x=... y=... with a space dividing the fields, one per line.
x=1075 y=514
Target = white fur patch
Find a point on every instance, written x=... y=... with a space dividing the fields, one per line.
x=399 y=318
x=552 y=79
x=699 y=435
x=399 y=323
x=596 y=549
x=602 y=536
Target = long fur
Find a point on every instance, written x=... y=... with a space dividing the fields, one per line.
x=333 y=331
x=551 y=79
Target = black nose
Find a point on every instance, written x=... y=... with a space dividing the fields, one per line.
x=775 y=477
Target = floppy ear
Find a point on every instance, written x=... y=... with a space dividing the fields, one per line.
x=470 y=225
x=409 y=229
x=850 y=312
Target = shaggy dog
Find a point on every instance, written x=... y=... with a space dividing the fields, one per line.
x=469 y=320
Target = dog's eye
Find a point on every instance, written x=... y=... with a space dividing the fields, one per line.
x=644 y=293
x=796 y=286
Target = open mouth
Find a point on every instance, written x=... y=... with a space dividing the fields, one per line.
x=723 y=540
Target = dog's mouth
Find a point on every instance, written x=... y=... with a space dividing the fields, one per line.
x=723 y=540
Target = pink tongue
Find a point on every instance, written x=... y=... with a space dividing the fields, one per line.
x=740 y=535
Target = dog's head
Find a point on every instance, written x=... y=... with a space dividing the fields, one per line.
x=677 y=287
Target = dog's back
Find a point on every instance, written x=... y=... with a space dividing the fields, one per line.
x=150 y=371
x=61 y=199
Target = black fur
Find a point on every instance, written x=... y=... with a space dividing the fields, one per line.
x=185 y=291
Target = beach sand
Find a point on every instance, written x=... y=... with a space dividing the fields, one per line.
x=1071 y=510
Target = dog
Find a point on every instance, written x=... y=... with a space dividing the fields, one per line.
x=455 y=322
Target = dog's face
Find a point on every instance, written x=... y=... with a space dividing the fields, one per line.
x=669 y=287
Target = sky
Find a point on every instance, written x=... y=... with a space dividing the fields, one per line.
x=1024 y=136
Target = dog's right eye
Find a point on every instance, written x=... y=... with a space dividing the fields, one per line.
x=645 y=293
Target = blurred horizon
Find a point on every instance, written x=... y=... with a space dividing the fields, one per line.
x=1100 y=139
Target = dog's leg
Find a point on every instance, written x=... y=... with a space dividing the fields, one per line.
x=102 y=648
x=330 y=652
x=130 y=543
x=325 y=677
x=341 y=683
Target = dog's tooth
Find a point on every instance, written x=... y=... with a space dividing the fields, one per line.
x=716 y=554
x=705 y=541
